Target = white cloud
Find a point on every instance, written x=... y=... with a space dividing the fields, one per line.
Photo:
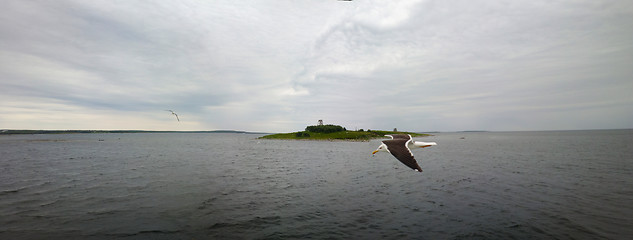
x=385 y=15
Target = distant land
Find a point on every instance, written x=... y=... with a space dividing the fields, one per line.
x=342 y=135
x=9 y=131
x=336 y=132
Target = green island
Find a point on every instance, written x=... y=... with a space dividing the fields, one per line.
x=336 y=132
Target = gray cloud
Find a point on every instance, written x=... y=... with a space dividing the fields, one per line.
x=279 y=65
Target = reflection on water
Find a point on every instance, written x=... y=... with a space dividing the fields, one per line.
x=571 y=184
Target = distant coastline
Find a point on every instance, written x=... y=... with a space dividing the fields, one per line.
x=12 y=132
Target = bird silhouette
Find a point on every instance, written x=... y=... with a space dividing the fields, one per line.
x=172 y=112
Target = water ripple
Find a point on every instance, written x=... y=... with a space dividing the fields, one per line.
x=200 y=186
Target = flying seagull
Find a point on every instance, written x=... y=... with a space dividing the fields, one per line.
x=400 y=147
x=172 y=112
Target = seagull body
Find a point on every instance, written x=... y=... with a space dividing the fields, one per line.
x=172 y=112
x=400 y=147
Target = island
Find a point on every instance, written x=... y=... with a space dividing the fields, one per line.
x=336 y=132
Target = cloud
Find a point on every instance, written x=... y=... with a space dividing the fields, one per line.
x=280 y=65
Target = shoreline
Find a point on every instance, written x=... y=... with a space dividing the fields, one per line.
x=17 y=132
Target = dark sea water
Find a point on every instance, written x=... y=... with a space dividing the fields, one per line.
x=490 y=185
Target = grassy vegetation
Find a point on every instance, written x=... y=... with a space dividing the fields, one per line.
x=342 y=135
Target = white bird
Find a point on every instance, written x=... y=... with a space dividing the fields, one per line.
x=400 y=147
x=172 y=112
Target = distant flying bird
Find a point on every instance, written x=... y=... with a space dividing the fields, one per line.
x=172 y=112
x=399 y=146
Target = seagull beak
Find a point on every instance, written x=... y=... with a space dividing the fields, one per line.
x=374 y=152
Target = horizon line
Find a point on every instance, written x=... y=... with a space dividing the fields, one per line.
x=44 y=131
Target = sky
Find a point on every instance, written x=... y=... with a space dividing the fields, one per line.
x=278 y=66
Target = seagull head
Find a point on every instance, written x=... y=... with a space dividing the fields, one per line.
x=381 y=148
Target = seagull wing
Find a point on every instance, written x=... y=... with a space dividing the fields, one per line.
x=399 y=136
x=398 y=148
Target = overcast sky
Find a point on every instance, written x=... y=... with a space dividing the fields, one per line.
x=278 y=66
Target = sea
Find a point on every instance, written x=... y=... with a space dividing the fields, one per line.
x=475 y=185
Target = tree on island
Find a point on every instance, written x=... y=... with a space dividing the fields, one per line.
x=329 y=128
x=302 y=134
